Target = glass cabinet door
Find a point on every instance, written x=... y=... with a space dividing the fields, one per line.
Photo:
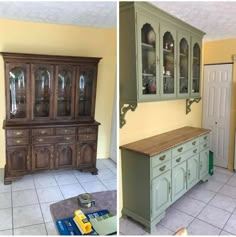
x=183 y=69
x=85 y=93
x=64 y=83
x=148 y=61
x=168 y=65
x=42 y=91
x=18 y=79
x=196 y=70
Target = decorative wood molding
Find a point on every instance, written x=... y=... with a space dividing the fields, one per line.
x=189 y=103
x=124 y=108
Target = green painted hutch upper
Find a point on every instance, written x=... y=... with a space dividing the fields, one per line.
x=160 y=55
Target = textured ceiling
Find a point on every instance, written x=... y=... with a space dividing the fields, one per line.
x=216 y=19
x=92 y=14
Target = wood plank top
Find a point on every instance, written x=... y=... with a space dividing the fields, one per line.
x=162 y=142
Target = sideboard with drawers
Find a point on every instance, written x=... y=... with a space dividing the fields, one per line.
x=157 y=171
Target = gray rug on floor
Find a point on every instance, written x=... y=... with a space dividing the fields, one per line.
x=103 y=200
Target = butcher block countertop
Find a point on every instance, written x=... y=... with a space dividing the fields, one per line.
x=162 y=142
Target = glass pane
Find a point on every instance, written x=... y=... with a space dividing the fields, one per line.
x=85 y=92
x=196 y=69
x=148 y=60
x=17 y=81
x=64 y=93
x=168 y=63
x=183 y=66
x=42 y=92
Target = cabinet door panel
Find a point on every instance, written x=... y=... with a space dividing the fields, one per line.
x=168 y=62
x=65 y=156
x=148 y=59
x=17 y=91
x=86 y=154
x=18 y=160
x=86 y=93
x=179 y=184
x=42 y=91
x=204 y=163
x=161 y=193
x=64 y=96
x=42 y=157
x=193 y=171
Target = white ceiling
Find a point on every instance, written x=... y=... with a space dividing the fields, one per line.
x=92 y=14
x=216 y=19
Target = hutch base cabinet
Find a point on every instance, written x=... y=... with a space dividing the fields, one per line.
x=157 y=171
x=50 y=104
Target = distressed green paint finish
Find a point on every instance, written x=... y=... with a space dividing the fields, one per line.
x=179 y=184
x=204 y=163
x=161 y=193
x=192 y=171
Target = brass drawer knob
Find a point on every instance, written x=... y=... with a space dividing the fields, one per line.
x=43 y=132
x=67 y=138
x=18 y=141
x=205 y=145
x=40 y=140
x=195 y=150
x=65 y=130
x=162 y=168
x=18 y=133
x=205 y=138
x=162 y=157
x=178 y=160
x=180 y=149
x=194 y=143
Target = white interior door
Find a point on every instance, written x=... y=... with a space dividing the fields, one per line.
x=216 y=109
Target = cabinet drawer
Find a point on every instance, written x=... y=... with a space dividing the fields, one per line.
x=203 y=146
x=53 y=139
x=87 y=130
x=87 y=137
x=42 y=131
x=161 y=158
x=64 y=131
x=184 y=156
x=204 y=138
x=18 y=133
x=176 y=151
x=17 y=141
x=160 y=169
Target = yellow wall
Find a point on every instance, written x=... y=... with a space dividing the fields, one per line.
x=221 y=52
x=40 y=38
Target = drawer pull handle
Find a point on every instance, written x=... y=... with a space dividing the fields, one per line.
x=205 y=145
x=162 y=157
x=180 y=149
x=194 y=143
x=195 y=151
x=43 y=132
x=40 y=140
x=67 y=138
x=205 y=138
x=189 y=174
x=162 y=168
x=178 y=160
x=65 y=131
x=18 y=141
x=18 y=133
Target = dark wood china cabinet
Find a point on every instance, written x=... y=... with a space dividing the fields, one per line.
x=50 y=105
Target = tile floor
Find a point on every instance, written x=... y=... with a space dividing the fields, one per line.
x=207 y=209
x=24 y=205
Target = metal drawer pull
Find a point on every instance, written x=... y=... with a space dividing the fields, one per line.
x=65 y=131
x=189 y=174
x=195 y=150
x=162 y=157
x=179 y=159
x=205 y=145
x=194 y=143
x=40 y=140
x=18 y=133
x=67 y=138
x=43 y=132
x=180 y=149
x=205 y=138
x=18 y=141
x=162 y=168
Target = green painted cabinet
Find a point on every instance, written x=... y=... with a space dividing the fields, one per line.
x=161 y=193
x=179 y=180
x=192 y=171
x=157 y=171
x=160 y=55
